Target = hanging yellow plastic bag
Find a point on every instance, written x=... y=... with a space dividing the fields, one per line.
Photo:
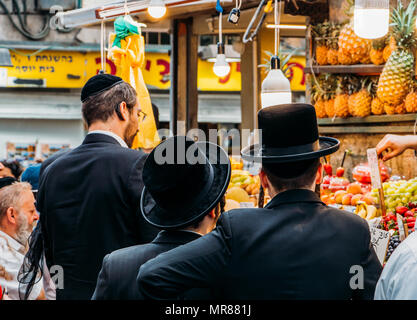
x=127 y=50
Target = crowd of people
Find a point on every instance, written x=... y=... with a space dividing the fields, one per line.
x=105 y=222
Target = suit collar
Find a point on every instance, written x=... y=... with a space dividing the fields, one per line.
x=294 y=196
x=175 y=237
x=98 y=137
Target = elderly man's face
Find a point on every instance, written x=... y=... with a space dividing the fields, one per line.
x=27 y=217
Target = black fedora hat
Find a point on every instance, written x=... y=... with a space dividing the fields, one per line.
x=183 y=181
x=289 y=133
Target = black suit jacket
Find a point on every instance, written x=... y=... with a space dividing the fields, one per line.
x=89 y=206
x=117 y=278
x=294 y=248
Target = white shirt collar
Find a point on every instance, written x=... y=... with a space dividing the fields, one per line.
x=17 y=246
x=113 y=135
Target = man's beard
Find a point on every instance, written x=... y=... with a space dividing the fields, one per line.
x=24 y=230
x=130 y=133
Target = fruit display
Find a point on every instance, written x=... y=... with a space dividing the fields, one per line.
x=366 y=211
x=398 y=71
x=394 y=242
x=397 y=193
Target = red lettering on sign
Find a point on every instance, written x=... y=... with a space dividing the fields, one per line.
x=148 y=65
x=238 y=66
x=301 y=67
x=225 y=79
x=110 y=63
x=163 y=73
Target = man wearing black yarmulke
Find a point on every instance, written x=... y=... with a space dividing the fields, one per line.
x=89 y=197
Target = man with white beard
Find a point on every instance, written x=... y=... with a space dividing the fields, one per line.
x=18 y=217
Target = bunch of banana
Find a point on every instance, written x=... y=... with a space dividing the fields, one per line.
x=367 y=212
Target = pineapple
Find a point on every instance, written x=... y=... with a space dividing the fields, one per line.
x=411 y=100
x=329 y=87
x=389 y=48
x=389 y=108
x=400 y=109
x=357 y=48
x=341 y=107
x=377 y=51
x=320 y=32
x=354 y=86
x=399 y=69
x=377 y=107
x=343 y=57
x=363 y=99
x=317 y=96
x=332 y=53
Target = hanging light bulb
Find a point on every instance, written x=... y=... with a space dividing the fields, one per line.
x=276 y=88
x=371 y=18
x=221 y=68
x=157 y=9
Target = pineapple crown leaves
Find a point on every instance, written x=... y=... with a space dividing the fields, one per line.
x=321 y=32
x=284 y=61
x=403 y=26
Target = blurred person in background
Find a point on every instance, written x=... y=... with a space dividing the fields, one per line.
x=10 y=168
x=18 y=217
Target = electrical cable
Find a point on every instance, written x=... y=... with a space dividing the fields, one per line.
x=23 y=30
x=267 y=9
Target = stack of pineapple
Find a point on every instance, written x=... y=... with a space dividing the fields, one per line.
x=338 y=44
x=394 y=92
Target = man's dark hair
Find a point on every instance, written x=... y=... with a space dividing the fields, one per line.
x=219 y=209
x=100 y=107
x=291 y=175
x=14 y=166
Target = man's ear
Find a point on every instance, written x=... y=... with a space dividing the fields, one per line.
x=264 y=179
x=319 y=175
x=11 y=216
x=123 y=111
x=212 y=213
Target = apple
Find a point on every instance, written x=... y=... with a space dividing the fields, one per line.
x=338 y=196
x=354 y=188
x=347 y=198
x=356 y=198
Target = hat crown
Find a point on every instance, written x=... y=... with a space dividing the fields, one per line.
x=175 y=172
x=288 y=125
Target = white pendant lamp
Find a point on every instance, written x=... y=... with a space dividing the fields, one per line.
x=276 y=88
x=221 y=68
x=157 y=9
x=371 y=18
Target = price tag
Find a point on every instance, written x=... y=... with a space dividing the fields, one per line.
x=373 y=163
x=3 y=77
x=247 y=205
x=401 y=229
x=379 y=240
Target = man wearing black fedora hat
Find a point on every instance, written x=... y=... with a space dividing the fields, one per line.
x=294 y=248
x=183 y=199
x=89 y=197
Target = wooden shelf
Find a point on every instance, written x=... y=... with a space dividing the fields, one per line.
x=370 y=119
x=361 y=69
x=398 y=123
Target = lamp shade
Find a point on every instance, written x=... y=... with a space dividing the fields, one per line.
x=276 y=89
x=371 y=18
x=157 y=9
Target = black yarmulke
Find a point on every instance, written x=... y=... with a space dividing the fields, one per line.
x=6 y=181
x=98 y=84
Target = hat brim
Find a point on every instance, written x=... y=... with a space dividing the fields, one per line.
x=160 y=218
x=327 y=145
